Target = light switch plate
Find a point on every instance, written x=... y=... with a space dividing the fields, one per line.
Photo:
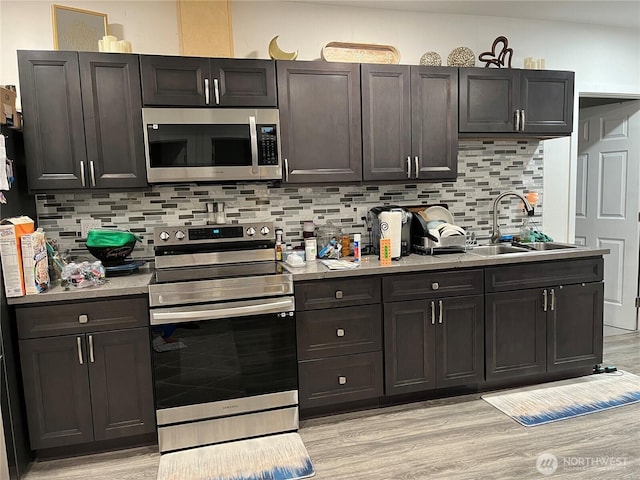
x=89 y=224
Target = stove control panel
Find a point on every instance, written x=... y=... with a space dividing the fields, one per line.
x=213 y=233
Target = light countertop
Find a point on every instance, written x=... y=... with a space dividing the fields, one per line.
x=138 y=283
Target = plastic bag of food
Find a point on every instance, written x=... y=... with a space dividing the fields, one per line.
x=85 y=274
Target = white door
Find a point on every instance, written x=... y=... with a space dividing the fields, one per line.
x=607 y=202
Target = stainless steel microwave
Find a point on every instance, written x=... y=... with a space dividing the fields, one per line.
x=209 y=145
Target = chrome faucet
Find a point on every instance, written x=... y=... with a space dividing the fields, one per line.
x=495 y=234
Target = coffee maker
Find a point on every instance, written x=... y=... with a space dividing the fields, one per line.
x=396 y=222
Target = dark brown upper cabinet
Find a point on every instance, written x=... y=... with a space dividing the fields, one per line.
x=320 y=121
x=82 y=120
x=409 y=122
x=213 y=82
x=516 y=102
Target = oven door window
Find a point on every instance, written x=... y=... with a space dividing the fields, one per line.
x=213 y=360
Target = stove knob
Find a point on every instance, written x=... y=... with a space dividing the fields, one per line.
x=164 y=236
x=251 y=231
x=179 y=234
x=265 y=230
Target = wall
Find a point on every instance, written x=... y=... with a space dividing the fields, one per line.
x=485 y=169
x=606 y=60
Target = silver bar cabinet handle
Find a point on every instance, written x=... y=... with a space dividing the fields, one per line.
x=216 y=91
x=408 y=167
x=286 y=170
x=207 y=97
x=522 y=120
x=433 y=312
x=84 y=184
x=417 y=165
x=544 y=296
x=92 y=172
x=79 y=343
x=91 y=357
x=253 y=134
x=517 y=126
x=440 y=313
x=553 y=299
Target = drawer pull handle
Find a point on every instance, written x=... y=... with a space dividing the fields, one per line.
x=342 y=380
x=340 y=332
x=83 y=319
x=435 y=286
x=339 y=294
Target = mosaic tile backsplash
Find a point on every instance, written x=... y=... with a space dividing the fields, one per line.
x=486 y=168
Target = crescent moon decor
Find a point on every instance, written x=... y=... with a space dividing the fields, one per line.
x=276 y=53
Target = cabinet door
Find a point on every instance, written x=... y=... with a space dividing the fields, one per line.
x=386 y=122
x=574 y=326
x=547 y=101
x=121 y=385
x=56 y=390
x=112 y=108
x=54 y=139
x=320 y=121
x=515 y=334
x=243 y=82
x=409 y=347
x=175 y=81
x=460 y=341
x=488 y=100
x=434 y=134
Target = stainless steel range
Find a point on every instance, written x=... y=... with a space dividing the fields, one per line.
x=223 y=336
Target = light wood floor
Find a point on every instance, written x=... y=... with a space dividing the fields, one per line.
x=458 y=438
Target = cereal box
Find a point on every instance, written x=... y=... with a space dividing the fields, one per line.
x=11 y=230
x=35 y=263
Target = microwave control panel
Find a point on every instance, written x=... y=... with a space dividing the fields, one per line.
x=267 y=145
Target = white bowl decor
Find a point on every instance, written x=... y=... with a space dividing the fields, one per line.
x=461 y=57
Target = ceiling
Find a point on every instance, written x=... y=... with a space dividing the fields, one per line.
x=617 y=13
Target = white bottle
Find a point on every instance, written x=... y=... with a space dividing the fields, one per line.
x=310 y=249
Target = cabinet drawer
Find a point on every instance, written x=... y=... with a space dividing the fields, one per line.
x=340 y=379
x=543 y=274
x=339 y=331
x=337 y=293
x=438 y=283
x=66 y=319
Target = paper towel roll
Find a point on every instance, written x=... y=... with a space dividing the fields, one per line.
x=391 y=227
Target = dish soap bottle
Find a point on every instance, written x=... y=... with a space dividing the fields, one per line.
x=525 y=232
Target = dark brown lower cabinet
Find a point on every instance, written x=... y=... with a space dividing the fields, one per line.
x=432 y=344
x=86 y=369
x=574 y=327
x=87 y=387
x=543 y=330
x=516 y=342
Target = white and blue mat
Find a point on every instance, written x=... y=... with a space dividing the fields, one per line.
x=531 y=406
x=275 y=457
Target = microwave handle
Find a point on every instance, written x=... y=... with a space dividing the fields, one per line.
x=253 y=132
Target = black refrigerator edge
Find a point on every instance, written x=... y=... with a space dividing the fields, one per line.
x=14 y=421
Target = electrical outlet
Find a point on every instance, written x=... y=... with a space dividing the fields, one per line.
x=89 y=224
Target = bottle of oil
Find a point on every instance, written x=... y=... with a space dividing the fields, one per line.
x=279 y=247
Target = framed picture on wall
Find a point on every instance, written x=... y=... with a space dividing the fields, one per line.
x=76 y=29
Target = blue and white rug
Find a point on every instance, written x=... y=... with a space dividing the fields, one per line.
x=275 y=457
x=531 y=406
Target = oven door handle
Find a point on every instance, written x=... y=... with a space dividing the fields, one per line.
x=164 y=316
